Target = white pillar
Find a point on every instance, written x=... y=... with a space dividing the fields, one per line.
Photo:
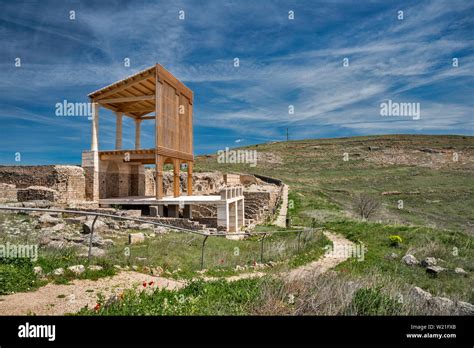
x=118 y=131
x=95 y=127
x=137 y=133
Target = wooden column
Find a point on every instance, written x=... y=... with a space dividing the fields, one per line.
x=158 y=158
x=176 y=183
x=137 y=133
x=95 y=127
x=190 y=178
x=158 y=177
x=118 y=131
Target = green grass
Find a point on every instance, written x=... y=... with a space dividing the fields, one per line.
x=325 y=184
x=17 y=275
x=181 y=251
x=197 y=298
x=437 y=215
x=309 y=252
x=373 y=302
x=456 y=249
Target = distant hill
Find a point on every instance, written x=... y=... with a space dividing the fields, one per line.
x=431 y=174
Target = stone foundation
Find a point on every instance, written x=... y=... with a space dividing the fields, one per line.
x=203 y=183
x=72 y=186
x=68 y=181
x=8 y=193
x=36 y=193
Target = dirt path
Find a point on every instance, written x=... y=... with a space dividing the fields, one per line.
x=281 y=218
x=330 y=260
x=54 y=299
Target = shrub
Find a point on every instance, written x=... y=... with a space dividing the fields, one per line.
x=395 y=240
x=366 y=205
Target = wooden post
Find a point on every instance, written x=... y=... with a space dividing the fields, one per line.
x=158 y=107
x=118 y=130
x=158 y=158
x=190 y=178
x=95 y=127
x=137 y=133
x=176 y=183
x=158 y=177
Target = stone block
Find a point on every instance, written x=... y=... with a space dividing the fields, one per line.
x=34 y=193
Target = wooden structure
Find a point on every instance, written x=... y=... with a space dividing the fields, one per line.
x=154 y=90
x=117 y=177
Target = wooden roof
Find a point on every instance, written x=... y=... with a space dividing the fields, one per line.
x=135 y=95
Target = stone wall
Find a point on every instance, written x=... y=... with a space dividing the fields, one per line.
x=35 y=193
x=8 y=193
x=119 y=179
x=68 y=181
x=261 y=201
x=203 y=183
x=232 y=179
x=67 y=185
x=204 y=210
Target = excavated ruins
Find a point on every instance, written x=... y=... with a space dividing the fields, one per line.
x=63 y=187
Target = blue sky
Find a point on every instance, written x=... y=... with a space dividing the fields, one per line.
x=282 y=62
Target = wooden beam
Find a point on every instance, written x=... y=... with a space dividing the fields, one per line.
x=117 y=89
x=137 y=109
x=127 y=99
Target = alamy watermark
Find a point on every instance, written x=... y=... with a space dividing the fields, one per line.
x=13 y=251
x=237 y=156
x=356 y=251
x=390 y=108
x=66 y=108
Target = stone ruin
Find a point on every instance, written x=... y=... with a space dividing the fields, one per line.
x=64 y=186
x=55 y=183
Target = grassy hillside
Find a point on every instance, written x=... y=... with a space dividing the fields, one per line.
x=431 y=175
x=420 y=170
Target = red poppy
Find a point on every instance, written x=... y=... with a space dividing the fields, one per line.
x=97 y=307
x=151 y=283
x=144 y=284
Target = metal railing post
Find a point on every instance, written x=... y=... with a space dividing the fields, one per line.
x=299 y=237
x=202 y=251
x=90 y=240
x=261 y=248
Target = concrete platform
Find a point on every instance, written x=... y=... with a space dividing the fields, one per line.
x=151 y=200
x=230 y=206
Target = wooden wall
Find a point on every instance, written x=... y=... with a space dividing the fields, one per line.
x=175 y=129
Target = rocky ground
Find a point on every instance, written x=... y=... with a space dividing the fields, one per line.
x=54 y=230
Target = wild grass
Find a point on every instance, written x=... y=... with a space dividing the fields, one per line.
x=452 y=249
